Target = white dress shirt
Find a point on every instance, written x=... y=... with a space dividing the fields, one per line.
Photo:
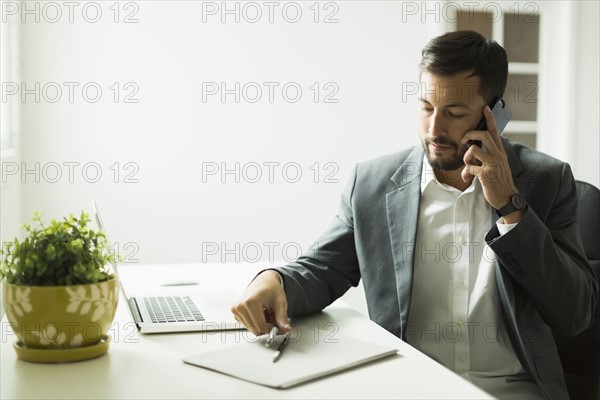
x=455 y=313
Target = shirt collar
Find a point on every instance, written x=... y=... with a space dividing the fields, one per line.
x=428 y=178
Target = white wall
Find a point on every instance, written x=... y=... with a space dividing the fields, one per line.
x=171 y=132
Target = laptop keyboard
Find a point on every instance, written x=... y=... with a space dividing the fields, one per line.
x=172 y=309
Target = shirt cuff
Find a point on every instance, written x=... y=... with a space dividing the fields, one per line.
x=505 y=228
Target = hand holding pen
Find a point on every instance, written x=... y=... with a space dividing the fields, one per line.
x=263 y=304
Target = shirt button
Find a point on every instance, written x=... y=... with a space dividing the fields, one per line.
x=461 y=240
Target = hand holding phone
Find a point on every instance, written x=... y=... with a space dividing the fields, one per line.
x=502 y=115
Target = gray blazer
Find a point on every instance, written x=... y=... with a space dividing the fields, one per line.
x=543 y=277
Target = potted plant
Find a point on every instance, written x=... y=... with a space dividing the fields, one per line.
x=59 y=293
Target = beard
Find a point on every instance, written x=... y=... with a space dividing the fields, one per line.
x=445 y=165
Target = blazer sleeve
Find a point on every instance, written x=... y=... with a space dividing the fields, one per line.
x=329 y=268
x=544 y=255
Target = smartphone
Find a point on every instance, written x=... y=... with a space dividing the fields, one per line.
x=502 y=115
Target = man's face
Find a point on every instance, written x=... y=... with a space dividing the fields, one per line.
x=449 y=107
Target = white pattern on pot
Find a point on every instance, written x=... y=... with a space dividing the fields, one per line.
x=100 y=301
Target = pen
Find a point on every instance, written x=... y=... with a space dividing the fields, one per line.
x=281 y=347
x=272 y=334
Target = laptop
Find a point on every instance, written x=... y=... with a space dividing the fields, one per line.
x=178 y=311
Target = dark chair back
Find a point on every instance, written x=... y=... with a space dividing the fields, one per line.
x=580 y=355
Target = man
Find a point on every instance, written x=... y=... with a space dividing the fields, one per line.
x=470 y=254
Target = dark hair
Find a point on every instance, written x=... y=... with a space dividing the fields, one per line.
x=462 y=51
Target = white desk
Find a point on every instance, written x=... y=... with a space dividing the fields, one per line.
x=150 y=366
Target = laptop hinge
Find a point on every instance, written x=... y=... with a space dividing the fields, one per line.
x=135 y=311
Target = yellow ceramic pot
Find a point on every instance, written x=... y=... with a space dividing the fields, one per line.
x=60 y=317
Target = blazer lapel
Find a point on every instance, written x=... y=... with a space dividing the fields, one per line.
x=402 y=205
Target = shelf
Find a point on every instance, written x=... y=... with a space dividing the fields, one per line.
x=523 y=127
